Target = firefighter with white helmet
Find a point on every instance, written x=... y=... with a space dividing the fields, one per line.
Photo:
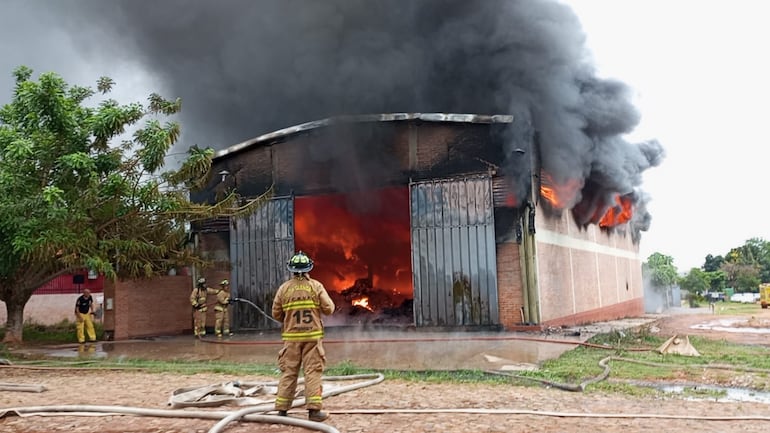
x=221 y=313
x=198 y=302
x=299 y=304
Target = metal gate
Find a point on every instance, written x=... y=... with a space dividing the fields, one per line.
x=260 y=244
x=453 y=252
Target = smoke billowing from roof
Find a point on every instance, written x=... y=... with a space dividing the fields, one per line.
x=245 y=67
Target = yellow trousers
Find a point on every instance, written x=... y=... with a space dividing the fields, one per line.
x=222 y=323
x=199 y=321
x=85 y=325
x=311 y=356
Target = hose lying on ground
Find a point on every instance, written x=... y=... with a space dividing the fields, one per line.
x=252 y=414
x=243 y=393
x=85 y=410
x=564 y=386
x=375 y=379
x=249 y=415
x=604 y=363
x=21 y=387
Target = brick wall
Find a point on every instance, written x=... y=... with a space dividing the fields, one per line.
x=131 y=309
x=144 y=308
x=509 y=284
x=630 y=308
x=585 y=273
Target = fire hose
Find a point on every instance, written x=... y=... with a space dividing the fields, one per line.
x=256 y=413
x=604 y=363
x=246 y=301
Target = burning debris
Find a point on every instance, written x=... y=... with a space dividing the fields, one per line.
x=363 y=303
x=350 y=236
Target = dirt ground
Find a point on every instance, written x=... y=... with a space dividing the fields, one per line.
x=519 y=408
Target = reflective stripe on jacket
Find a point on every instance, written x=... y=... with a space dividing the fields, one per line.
x=299 y=304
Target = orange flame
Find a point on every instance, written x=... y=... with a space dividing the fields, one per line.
x=362 y=302
x=560 y=196
x=618 y=214
x=351 y=236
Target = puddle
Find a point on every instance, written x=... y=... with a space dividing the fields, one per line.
x=82 y=351
x=717 y=393
x=731 y=325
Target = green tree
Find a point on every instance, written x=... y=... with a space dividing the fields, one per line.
x=660 y=270
x=713 y=263
x=717 y=280
x=696 y=281
x=748 y=265
x=70 y=198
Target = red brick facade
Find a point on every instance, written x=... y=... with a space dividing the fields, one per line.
x=586 y=274
x=509 y=284
x=579 y=274
x=144 y=308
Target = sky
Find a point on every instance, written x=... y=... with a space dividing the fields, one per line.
x=701 y=77
x=697 y=71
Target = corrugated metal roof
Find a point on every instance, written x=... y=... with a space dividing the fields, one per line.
x=384 y=117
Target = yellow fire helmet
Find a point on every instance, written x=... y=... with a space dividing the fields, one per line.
x=224 y=283
x=300 y=263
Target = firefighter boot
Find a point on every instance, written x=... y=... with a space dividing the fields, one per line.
x=282 y=413
x=317 y=415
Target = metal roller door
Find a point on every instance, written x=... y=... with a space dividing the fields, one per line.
x=260 y=244
x=453 y=252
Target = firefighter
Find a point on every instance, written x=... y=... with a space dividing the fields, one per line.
x=84 y=317
x=198 y=301
x=221 y=313
x=299 y=304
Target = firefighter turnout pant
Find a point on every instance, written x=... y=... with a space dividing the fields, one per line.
x=222 y=323
x=85 y=325
x=199 y=321
x=311 y=356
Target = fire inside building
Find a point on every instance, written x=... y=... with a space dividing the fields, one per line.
x=425 y=220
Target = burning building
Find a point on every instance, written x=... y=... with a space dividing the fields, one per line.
x=426 y=220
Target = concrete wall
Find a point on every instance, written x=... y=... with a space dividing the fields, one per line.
x=586 y=274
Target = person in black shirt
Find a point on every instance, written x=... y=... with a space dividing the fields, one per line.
x=84 y=316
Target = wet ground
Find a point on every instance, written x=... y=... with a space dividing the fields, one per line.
x=402 y=349
x=410 y=349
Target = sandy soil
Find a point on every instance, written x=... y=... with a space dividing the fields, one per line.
x=531 y=409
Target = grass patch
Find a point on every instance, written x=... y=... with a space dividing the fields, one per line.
x=62 y=332
x=736 y=308
x=640 y=362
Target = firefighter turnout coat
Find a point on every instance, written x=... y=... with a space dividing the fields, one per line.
x=299 y=304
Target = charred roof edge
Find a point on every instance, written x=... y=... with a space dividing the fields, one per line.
x=384 y=117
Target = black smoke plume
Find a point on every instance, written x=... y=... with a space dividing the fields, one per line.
x=247 y=67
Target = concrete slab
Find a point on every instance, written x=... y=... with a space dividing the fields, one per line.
x=370 y=348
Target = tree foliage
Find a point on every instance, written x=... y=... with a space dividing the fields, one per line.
x=713 y=263
x=748 y=265
x=696 y=281
x=660 y=270
x=71 y=197
x=742 y=268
